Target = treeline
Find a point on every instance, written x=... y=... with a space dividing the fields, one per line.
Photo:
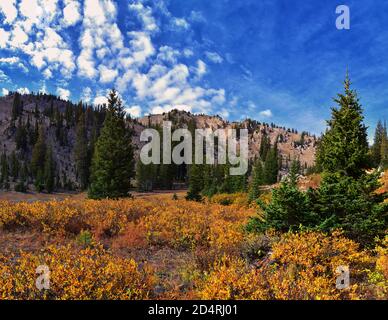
x=45 y=136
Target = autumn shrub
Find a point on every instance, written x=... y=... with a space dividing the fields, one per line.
x=227 y=199
x=90 y=273
x=232 y=278
x=300 y=266
x=378 y=277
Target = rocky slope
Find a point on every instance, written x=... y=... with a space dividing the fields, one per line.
x=291 y=144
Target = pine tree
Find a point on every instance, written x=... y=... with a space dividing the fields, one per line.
x=112 y=165
x=49 y=170
x=81 y=153
x=376 y=149
x=257 y=181
x=271 y=166
x=347 y=196
x=15 y=166
x=384 y=148
x=21 y=136
x=265 y=146
x=38 y=154
x=195 y=183
x=344 y=147
x=17 y=107
x=4 y=179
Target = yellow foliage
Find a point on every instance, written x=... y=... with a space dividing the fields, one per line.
x=300 y=267
x=91 y=273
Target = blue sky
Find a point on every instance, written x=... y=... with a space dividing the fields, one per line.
x=272 y=60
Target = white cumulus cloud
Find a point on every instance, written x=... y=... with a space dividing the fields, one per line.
x=266 y=113
x=134 y=111
x=64 y=94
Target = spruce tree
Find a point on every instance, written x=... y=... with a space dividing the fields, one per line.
x=257 y=181
x=347 y=196
x=81 y=153
x=195 y=183
x=38 y=154
x=376 y=149
x=112 y=164
x=344 y=147
x=49 y=170
x=384 y=148
x=17 y=107
x=271 y=166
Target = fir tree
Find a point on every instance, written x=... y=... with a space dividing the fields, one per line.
x=81 y=153
x=257 y=181
x=195 y=183
x=384 y=148
x=17 y=107
x=271 y=166
x=21 y=136
x=376 y=149
x=344 y=147
x=112 y=165
x=49 y=170
x=38 y=154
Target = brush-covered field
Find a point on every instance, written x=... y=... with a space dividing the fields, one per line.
x=160 y=247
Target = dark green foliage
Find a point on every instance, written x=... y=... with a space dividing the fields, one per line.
x=49 y=171
x=4 y=178
x=265 y=146
x=289 y=209
x=39 y=153
x=271 y=166
x=195 y=183
x=112 y=164
x=344 y=147
x=353 y=205
x=347 y=196
x=376 y=149
x=257 y=181
x=145 y=176
x=384 y=149
x=15 y=166
x=81 y=155
x=21 y=136
x=17 y=107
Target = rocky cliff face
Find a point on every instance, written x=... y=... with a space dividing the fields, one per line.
x=291 y=143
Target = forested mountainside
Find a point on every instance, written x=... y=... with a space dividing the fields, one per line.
x=45 y=138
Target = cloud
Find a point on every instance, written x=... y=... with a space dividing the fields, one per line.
x=23 y=91
x=3 y=77
x=86 y=95
x=188 y=53
x=168 y=54
x=180 y=23
x=14 y=61
x=266 y=113
x=145 y=15
x=107 y=75
x=64 y=94
x=8 y=9
x=214 y=57
x=134 y=111
x=4 y=92
x=71 y=13
x=201 y=68
x=100 y=100
x=224 y=113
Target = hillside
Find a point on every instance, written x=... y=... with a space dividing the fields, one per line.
x=59 y=118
